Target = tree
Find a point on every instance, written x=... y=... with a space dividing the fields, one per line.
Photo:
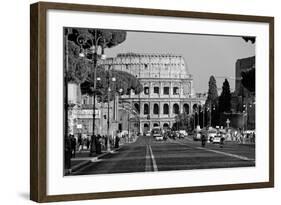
x=225 y=98
x=212 y=101
x=79 y=69
x=124 y=81
x=212 y=98
x=184 y=121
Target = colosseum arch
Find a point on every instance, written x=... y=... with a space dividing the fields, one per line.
x=166 y=109
x=176 y=108
x=146 y=109
x=195 y=107
x=155 y=109
x=186 y=108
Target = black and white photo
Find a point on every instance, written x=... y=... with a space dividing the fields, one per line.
x=141 y=101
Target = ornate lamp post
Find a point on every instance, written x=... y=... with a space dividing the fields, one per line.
x=93 y=50
x=113 y=79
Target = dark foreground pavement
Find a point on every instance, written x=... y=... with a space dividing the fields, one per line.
x=146 y=154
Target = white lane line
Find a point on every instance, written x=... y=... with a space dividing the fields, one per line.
x=227 y=154
x=147 y=160
x=153 y=160
x=219 y=152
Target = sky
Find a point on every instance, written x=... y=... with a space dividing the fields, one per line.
x=205 y=55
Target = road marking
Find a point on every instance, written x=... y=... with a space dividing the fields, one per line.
x=150 y=162
x=219 y=152
x=153 y=160
x=147 y=160
x=227 y=154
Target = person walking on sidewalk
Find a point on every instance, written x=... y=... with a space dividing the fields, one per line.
x=87 y=143
x=98 y=144
x=80 y=142
x=73 y=146
x=117 y=139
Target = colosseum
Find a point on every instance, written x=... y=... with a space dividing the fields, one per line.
x=168 y=90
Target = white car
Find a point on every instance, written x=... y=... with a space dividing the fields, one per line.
x=157 y=134
x=216 y=139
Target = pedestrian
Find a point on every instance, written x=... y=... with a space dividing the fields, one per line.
x=87 y=143
x=203 y=140
x=80 y=145
x=73 y=146
x=98 y=149
x=117 y=141
x=67 y=149
x=221 y=142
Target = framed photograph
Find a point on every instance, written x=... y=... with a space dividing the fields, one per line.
x=135 y=102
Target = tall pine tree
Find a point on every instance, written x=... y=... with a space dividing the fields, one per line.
x=212 y=102
x=212 y=99
x=225 y=98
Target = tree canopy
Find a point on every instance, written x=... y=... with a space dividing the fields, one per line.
x=225 y=98
x=80 y=70
x=124 y=81
x=105 y=38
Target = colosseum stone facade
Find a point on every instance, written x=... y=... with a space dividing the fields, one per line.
x=168 y=89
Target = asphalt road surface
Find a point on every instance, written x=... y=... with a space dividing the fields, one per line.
x=146 y=154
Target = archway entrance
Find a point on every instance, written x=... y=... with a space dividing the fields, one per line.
x=156 y=124
x=165 y=126
x=145 y=128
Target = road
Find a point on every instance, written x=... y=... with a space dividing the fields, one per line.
x=146 y=154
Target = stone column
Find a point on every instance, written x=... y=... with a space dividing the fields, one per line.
x=141 y=107
x=181 y=107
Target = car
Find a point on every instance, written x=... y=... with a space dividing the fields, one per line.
x=197 y=136
x=211 y=135
x=157 y=134
x=183 y=133
x=216 y=139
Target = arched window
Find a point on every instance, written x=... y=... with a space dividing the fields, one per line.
x=186 y=108
x=195 y=108
x=165 y=126
x=155 y=109
x=176 y=109
x=146 y=109
x=166 y=109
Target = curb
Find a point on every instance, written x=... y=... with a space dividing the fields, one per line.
x=88 y=161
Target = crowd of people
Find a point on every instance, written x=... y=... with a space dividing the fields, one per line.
x=74 y=144
x=242 y=137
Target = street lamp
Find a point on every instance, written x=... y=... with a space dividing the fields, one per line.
x=113 y=79
x=93 y=50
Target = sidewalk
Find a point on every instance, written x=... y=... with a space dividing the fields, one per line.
x=83 y=158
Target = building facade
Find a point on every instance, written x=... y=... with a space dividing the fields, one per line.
x=167 y=90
